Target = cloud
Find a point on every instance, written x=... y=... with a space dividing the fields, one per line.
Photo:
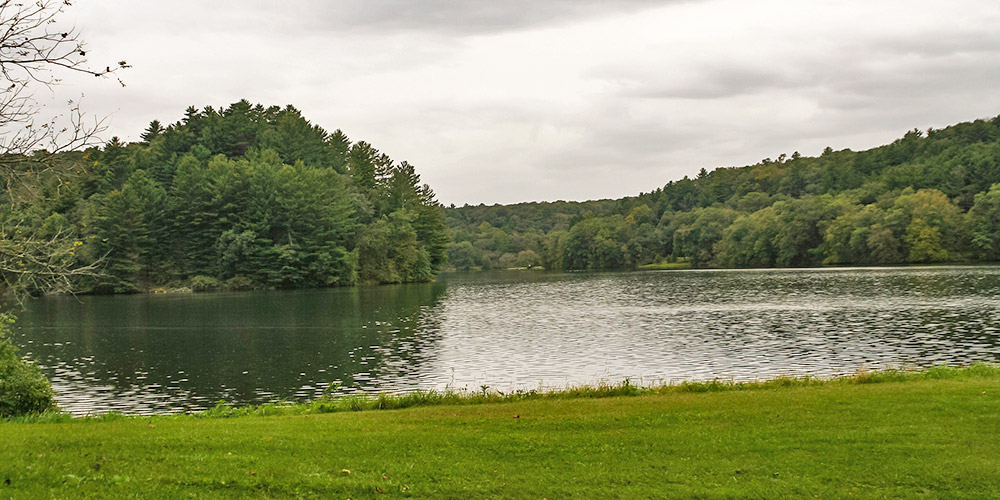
x=446 y=18
x=514 y=101
x=714 y=81
x=470 y=17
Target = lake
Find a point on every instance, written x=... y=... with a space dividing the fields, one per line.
x=506 y=330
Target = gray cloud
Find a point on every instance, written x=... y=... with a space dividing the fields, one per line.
x=715 y=81
x=517 y=101
x=471 y=17
x=392 y=17
x=876 y=68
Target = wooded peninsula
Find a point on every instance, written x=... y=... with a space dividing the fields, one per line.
x=239 y=198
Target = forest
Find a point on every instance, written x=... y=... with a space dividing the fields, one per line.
x=237 y=198
x=252 y=197
x=929 y=197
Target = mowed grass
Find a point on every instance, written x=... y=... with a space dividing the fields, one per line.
x=920 y=435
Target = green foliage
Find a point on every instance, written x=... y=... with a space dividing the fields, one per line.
x=124 y=224
x=390 y=252
x=926 y=197
x=984 y=224
x=750 y=241
x=696 y=239
x=261 y=193
x=244 y=197
x=527 y=258
x=463 y=255
x=237 y=283
x=23 y=388
x=595 y=243
x=204 y=284
x=933 y=225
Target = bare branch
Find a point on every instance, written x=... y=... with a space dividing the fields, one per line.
x=34 y=50
x=33 y=262
x=30 y=48
x=31 y=52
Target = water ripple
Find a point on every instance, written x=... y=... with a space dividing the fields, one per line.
x=507 y=331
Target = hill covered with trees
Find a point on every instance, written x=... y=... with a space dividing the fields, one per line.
x=928 y=197
x=258 y=197
x=236 y=198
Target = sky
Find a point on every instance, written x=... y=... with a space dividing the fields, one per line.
x=522 y=100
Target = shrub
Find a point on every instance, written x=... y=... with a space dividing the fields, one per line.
x=238 y=283
x=203 y=283
x=23 y=388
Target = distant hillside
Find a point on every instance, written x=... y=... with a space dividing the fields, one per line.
x=927 y=197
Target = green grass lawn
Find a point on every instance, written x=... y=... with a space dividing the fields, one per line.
x=904 y=437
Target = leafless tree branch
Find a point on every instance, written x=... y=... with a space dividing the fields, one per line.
x=34 y=262
x=34 y=50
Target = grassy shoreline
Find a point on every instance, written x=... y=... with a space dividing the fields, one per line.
x=392 y=401
x=889 y=434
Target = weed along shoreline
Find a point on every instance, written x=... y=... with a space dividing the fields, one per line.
x=929 y=433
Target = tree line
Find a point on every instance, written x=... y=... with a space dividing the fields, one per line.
x=242 y=197
x=930 y=196
x=258 y=197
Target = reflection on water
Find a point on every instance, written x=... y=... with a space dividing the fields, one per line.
x=142 y=354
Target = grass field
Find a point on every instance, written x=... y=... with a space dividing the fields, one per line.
x=931 y=434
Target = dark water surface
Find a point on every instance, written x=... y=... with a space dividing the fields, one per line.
x=170 y=353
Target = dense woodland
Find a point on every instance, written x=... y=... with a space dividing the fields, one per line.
x=236 y=198
x=258 y=197
x=928 y=197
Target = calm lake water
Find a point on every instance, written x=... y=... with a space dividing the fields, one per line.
x=505 y=330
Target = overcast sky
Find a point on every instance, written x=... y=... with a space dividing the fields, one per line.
x=508 y=101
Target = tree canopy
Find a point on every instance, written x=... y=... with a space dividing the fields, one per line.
x=930 y=196
x=245 y=196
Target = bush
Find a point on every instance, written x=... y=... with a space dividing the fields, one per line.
x=23 y=388
x=238 y=283
x=203 y=283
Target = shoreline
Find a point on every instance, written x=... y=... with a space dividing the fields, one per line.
x=927 y=434
x=450 y=397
